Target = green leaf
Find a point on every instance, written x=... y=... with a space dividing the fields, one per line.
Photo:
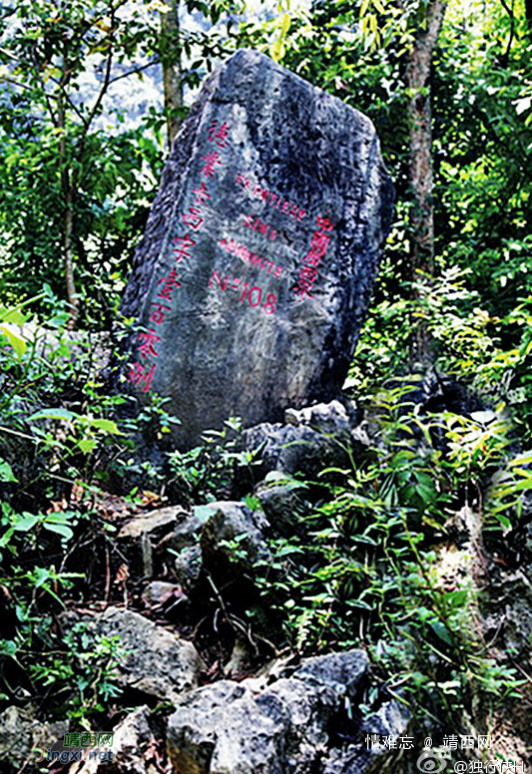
x=504 y=520
x=61 y=529
x=106 y=425
x=441 y=631
x=27 y=522
x=6 y=473
x=87 y=445
x=16 y=341
x=55 y=413
x=522 y=459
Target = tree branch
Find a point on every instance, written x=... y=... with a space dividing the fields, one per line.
x=103 y=89
x=15 y=83
x=105 y=85
x=47 y=97
x=510 y=12
x=135 y=70
x=74 y=107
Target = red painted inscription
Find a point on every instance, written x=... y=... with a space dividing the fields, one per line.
x=260 y=227
x=308 y=272
x=253 y=295
x=219 y=134
x=271 y=198
x=141 y=375
x=245 y=255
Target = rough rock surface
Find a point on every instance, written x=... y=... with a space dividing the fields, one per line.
x=154 y=523
x=309 y=440
x=276 y=728
x=391 y=720
x=233 y=522
x=281 y=501
x=21 y=732
x=155 y=661
x=134 y=749
x=145 y=533
x=255 y=272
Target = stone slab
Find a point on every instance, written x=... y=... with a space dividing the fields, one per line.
x=256 y=268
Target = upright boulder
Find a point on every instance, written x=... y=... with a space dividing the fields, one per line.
x=255 y=272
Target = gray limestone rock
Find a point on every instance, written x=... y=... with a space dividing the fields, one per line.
x=255 y=272
x=155 y=661
x=279 y=727
x=156 y=523
x=189 y=566
x=233 y=523
x=281 y=499
x=143 y=537
x=134 y=749
x=391 y=720
x=22 y=736
x=310 y=440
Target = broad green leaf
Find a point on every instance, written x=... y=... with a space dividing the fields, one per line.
x=86 y=445
x=6 y=473
x=13 y=316
x=15 y=339
x=54 y=413
x=27 y=522
x=61 y=529
x=441 y=631
x=522 y=459
x=106 y=425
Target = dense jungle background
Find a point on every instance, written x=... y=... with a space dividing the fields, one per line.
x=414 y=546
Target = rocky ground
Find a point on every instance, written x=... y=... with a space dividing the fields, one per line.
x=200 y=689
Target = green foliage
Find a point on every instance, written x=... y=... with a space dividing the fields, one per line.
x=78 y=666
x=217 y=467
x=76 y=180
x=44 y=443
x=366 y=567
x=370 y=569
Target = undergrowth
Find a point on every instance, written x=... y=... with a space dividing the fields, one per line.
x=365 y=566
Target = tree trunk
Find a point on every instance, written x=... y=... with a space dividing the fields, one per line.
x=528 y=15
x=171 y=64
x=421 y=172
x=68 y=226
x=68 y=188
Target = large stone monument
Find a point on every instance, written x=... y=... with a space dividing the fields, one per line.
x=256 y=269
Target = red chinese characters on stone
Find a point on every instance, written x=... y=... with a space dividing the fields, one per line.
x=212 y=160
x=146 y=344
x=202 y=194
x=308 y=273
x=141 y=375
x=159 y=312
x=182 y=246
x=142 y=371
x=219 y=134
x=169 y=284
x=193 y=217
